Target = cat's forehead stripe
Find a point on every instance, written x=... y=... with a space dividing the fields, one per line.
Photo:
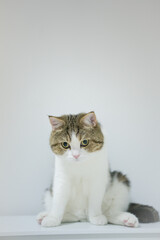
x=72 y=125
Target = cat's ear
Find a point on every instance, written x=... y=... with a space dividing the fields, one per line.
x=89 y=119
x=56 y=122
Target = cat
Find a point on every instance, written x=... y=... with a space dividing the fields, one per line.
x=84 y=188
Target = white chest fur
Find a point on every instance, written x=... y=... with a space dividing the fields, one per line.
x=81 y=178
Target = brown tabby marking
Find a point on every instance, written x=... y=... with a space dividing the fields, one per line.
x=122 y=178
x=73 y=123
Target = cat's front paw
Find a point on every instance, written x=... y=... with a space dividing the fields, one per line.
x=40 y=216
x=98 y=220
x=130 y=220
x=50 y=221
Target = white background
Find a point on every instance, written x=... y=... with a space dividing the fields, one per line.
x=70 y=56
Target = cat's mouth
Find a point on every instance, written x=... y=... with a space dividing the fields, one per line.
x=79 y=159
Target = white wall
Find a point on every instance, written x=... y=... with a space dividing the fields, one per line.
x=69 y=56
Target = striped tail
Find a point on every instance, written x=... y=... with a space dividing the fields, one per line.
x=144 y=213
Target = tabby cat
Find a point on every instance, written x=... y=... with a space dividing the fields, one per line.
x=84 y=188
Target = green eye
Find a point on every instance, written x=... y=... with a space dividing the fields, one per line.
x=65 y=145
x=84 y=143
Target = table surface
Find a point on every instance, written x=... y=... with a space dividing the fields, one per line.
x=27 y=225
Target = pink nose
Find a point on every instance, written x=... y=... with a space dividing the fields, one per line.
x=76 y=156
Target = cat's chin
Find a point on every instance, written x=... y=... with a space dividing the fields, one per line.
x=76 y=161
x=70 y=159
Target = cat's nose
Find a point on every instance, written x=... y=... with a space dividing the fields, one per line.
x=76 y=156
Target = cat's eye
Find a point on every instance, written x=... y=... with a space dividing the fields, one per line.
x=84 y=143
x=65 y=145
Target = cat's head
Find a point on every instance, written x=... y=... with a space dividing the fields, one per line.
x=75 y=136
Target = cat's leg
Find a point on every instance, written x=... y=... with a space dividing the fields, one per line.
x=116 y=202
x=47 y=201
x=68 y=217
x=96 y=195
x=59 y=201
x=124 y=218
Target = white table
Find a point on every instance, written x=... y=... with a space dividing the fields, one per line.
x=26 y=228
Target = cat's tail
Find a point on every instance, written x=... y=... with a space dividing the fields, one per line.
x=144 y=213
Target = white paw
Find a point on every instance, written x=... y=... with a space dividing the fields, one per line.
x=130 y=220
x=98 y=220
x=50 y=221
x=40 y=216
